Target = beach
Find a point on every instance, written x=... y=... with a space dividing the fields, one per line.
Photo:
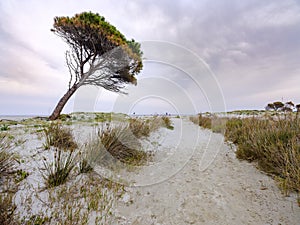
x=194 y=177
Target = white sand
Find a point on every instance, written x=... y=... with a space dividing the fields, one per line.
x=228 y=191
x=194 y=179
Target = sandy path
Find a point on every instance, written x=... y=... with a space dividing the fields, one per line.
x=179 y=189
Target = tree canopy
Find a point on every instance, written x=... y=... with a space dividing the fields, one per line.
x=280 y=106
x=99 y=54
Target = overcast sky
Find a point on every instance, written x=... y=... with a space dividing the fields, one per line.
x=231 y=53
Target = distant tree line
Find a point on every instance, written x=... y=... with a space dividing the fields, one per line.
x=283 y=107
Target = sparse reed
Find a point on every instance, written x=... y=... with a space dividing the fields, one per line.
x=58 y=170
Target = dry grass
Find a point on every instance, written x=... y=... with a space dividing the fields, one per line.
x=274 y=144
x=139 y=127
x=214 y=123
x=202 y=121
x=58 y=136
x=89 y=199
x=7 y=209
x=6 y=157
x=112 y=144
x=122 y=144
x=142 y=128
x=118 y=143
x=167 y=122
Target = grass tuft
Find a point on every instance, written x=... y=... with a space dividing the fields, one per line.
x=139 y=127
x=113 y=142
x=6 y=157
x=58 y=171
x=122 y=144
x=7 y=209
x=58 y=136
x=167 y=123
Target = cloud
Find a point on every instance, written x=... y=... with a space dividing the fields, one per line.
x=252 y=47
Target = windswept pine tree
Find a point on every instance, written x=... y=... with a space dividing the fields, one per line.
x=98 y=55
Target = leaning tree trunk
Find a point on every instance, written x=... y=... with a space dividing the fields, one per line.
x=60 y=105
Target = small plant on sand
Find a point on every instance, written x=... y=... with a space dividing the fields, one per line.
x=4 y=127
x=85 y=159
x=7 y=209
x=58 y=136
x=167 y=122
x=93 y=204
x=21 y=175
x=58 y=171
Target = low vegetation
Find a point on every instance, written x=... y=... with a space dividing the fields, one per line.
x=139 y=127
x=122 y=144
x=6 y=157
x=65 y=162
x=142 y=128
x=7 y=208
x=202 y=121
x=58 y=136
x=274 y=144
x=216 y=124
x=57 y=172
x=167 y=122
x=7 y=160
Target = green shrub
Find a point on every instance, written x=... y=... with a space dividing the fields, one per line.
x=4 y=127
x=103 y=117
x=21 y=175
